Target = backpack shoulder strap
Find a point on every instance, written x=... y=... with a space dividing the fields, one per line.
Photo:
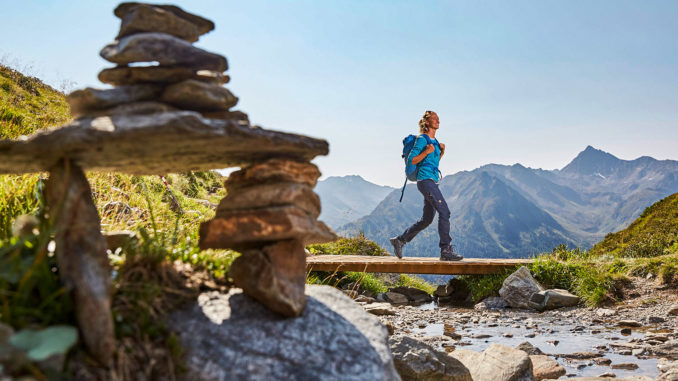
x=428 y=139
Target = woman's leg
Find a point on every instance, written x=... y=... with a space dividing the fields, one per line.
x=435 y=198
x=426 y=218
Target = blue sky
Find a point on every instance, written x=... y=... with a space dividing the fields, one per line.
x=530 y=82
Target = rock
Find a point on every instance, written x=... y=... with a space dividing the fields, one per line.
x=625 y=365
x=519 y=287
x=629 y=323
x=544 y=367
x=274 y=171
x=275 y=275
x=149 y=18
x=277 y=194
x=136 y=108
x=380 y=309
x=668 y=370
x=204 y=25
x=126 y=75
x=607 y=374
x=655 y=319
x=626 y=331
x=606 y=378
x=162 y=48
x=151 y=144
x=196 y=95
x=528 y=348
x=84 y=268
x=552 y=299
x=602 y=361
x=116 y=239
x=235 y=114
x=395 y=298
x=237 y=229
x=116 y=208
x=491 y=303
x=418 y=361
x=580 y=355
x=89 y=99
x=232 y=337
x=673 y=310
x=364 y=299
x=668 y=349
x=414 y=295
x=605 y=312
x=496 y=363
x=443 y=290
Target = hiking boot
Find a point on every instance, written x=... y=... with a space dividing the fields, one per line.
x=448 y=254
x=397 y=247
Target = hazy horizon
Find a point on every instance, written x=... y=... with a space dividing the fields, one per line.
x=523 y=82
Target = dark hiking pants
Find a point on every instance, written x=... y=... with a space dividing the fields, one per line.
x=433 y=202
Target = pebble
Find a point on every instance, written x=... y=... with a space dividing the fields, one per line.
x=625 y=365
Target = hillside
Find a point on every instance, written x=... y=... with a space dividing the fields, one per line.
x=595 y=194
x=28 y=105
x=347 y=198
x=654 y=233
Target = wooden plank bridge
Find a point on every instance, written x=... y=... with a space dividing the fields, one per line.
x=410 y=265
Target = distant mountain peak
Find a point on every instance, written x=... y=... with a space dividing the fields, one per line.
x=593 y=161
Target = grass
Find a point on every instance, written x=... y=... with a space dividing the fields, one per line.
x=375 y=283
x=28 y=105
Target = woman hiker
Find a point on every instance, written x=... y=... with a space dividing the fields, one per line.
x=426 y=154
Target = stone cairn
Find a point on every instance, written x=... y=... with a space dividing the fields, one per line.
x=174 y=116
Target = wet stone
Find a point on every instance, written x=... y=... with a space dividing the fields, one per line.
x=162 y=48
x=195 y=95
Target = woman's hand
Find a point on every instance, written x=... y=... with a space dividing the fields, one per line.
x=442 y=149
x=429 y=148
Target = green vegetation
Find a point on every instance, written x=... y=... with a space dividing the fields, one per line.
x=648 y=246
x=652 y=234
x=148 y=282
x=360 y=281
x=28 y=105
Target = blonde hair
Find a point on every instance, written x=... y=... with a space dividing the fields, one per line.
x=423 y=122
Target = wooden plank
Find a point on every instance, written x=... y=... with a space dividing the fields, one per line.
x=410 y=265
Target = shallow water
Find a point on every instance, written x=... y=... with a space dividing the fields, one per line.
x=568 y=341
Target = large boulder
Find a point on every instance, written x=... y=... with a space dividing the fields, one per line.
x=496 y=363
x=414 y=295
x=232 y=337
x=417 y=361
x=519 y=287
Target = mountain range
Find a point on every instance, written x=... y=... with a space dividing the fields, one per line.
x=503 y=211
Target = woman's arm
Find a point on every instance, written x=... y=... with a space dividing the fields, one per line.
x=417 y=159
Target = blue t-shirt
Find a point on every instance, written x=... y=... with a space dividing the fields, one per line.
x=428 y=168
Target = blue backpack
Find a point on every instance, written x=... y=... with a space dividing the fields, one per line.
x=411 y=170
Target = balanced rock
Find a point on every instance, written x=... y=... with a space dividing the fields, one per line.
x=151 y=144
x=265 y=195
x=83 y=101
x=240 y=116
x=149 y=18
x=417 y=361
x=244 y=228
x=275 y=275
x=519 y=287
x=126 y=75
x=195 y=95
x=274 y=171
x=231 y=337
x=136 y=108
x=204 y=25
x=162 y=48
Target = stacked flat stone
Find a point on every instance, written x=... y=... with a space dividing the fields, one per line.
x=169 y=73
x=269 y=215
